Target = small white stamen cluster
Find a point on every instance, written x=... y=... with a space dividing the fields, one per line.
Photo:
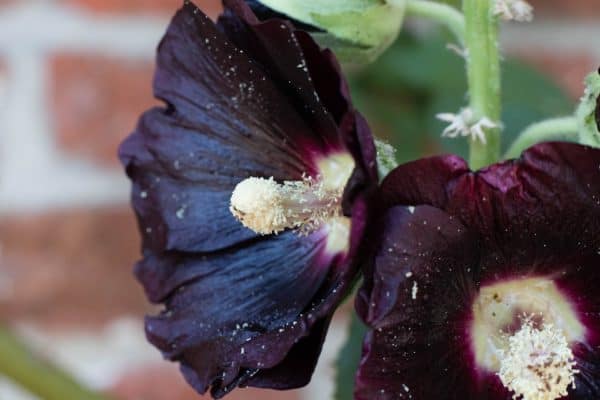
x=463 y=124
x=268 y=207
x=539 y=364
x=514 y=10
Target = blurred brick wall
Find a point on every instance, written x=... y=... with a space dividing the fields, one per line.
x=74 y=76
x=560 y=41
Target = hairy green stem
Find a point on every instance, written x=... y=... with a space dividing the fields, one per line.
x=483 y=75
x=551 y=129
x=441 y=13
x=38 y=376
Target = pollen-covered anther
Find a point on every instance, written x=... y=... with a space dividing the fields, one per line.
x=538 y=364
x=514 y=10
x=268 y=207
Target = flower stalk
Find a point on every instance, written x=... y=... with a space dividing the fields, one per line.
x=483 y=75
x=438 y=12
x=551 y=129
x=38 y=376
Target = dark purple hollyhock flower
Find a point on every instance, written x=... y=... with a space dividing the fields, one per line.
x=485 y=284
x=250 y=187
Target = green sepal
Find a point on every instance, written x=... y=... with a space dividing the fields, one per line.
x=588 y=112
x=358 y=31
x=386 y=158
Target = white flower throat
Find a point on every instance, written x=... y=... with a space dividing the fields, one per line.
x=269 y=207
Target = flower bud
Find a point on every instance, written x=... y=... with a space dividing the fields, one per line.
x=588 y=113
x=358 y=31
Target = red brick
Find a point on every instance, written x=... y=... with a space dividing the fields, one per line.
x=164 y=382
x=133 y=7
x=96 y=102
x=71 y=268
x=568 y=71
x=5 y=3
x=561 y=8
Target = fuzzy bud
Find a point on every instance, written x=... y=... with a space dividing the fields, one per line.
x=358 y=31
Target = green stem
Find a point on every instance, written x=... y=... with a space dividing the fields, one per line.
x=483 y=75
x=555 y=128
x=441 y=13
x=37 y=376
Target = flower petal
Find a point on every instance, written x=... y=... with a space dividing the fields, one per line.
x=537 y=217
x=588 y=380
x=546 y=203
x=424 y=181
x=172 y=167
x=235 y=311
x=310 y=78
x=424 y=279
x=298 y=366
x=226 y=120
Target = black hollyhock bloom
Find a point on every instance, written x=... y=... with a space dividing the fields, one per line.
x=486 y=284
x=250 y=187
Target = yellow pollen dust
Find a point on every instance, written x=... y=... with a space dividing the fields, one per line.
x=268 y=207
x=538 y=364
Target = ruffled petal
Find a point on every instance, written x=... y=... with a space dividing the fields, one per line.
x=424 y=283
x=226 y=120
x=298 y=366
x=551 y=193
x=424 y=181
x=238 y=311
x=537 y=217
x=309 y=75
x=216 y=305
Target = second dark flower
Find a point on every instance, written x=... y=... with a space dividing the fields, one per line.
x=485 y=285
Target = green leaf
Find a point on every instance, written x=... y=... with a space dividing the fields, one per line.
x=348 y=360
x=357 y=30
